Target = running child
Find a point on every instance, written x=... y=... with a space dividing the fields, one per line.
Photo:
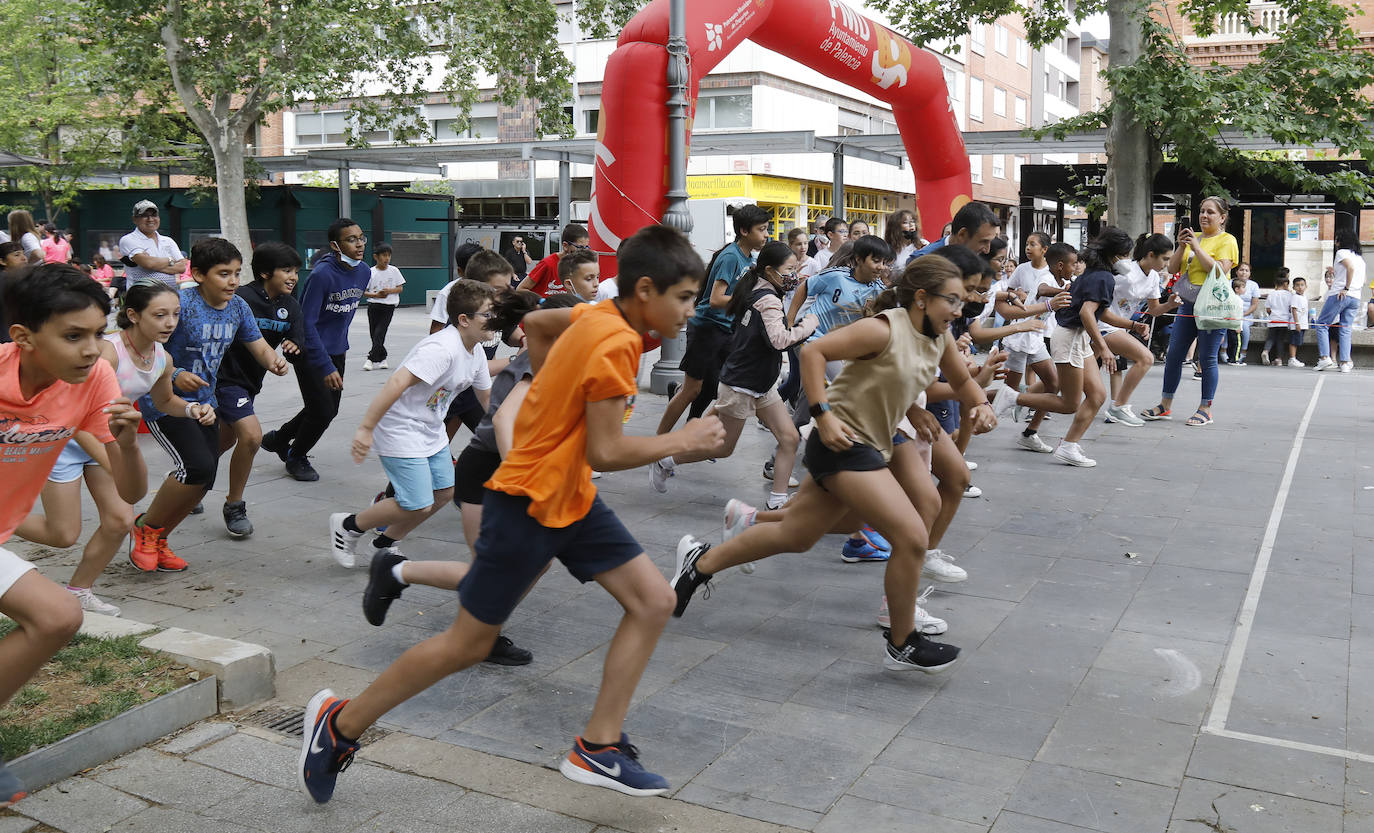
x=276 y=269
x=383 y=295
x=544 y=280
x=580 y=272
x=1045 y=290
x=890 y=358
x=1137 y=283
x=212 y=318
x=541 y=505
x=54 y=385
x=405 y=421
x=748 y=381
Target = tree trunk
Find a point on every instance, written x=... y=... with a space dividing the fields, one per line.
x=233 y=207
x=1132 y=159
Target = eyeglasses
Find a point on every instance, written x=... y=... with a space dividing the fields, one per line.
x=484 y=315
x=955 y=302
x=355 y=239
x=581 y=246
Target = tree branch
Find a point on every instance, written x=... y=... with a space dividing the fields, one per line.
x=190 y=98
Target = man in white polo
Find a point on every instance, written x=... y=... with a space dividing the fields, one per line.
x=148 y=254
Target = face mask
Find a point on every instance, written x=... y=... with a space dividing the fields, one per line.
x=346 y=259
x=1122 y=267
x=909 y=235
x=973 y=309
x=790 y=283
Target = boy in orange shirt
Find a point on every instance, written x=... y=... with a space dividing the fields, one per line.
x=541 y=505
x=52 y=384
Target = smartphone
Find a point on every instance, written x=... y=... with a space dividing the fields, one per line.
x=1186 y=222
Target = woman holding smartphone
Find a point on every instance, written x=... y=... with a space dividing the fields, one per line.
x=1195 y=256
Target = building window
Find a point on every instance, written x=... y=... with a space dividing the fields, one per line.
x=323 y=128
x=999 y=35
x=447 y=130
x=977 y=37
x=725 y=109
x=999 y=101
x=417 y=249
x=1022 y=52
x=1020 y=110
x=975 y=99
x=1016 y=163
x=999 y=166
x=975 y=164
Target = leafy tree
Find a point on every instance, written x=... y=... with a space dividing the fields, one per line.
x=227 y=65
x=51 y=109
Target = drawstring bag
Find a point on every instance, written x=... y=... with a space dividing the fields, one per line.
x=1218 y=307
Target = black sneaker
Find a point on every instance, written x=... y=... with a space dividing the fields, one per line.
x=918 y=653
x=505 y=652
x=686 y=579
x=236 y=518
x=382 y=586
x=273 y=442
x=300 y=469
x=199 y=509
x=768 y=469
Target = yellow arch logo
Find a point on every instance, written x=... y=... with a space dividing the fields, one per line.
x=891 y=60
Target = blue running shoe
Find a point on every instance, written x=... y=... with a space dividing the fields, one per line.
x=855 y=552
x=324 y=752
x=615 y=767
x=11 y=789
x=875 y=539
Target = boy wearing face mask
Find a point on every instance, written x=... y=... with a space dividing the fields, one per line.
x=328 y=303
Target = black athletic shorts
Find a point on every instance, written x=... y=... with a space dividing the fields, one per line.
x=474 y=467
x=708 y=346
x=821 y=462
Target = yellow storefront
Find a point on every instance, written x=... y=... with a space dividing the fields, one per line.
x=791 y=199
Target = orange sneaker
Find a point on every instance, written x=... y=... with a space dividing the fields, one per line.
x=168 y=561
x=143 y=546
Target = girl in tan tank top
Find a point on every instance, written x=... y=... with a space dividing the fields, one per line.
x=856 y=473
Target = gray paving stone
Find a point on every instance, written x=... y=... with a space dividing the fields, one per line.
x=170 y=819
x=1249 y=810
x=544 y=715
x=253 y=758
x=80 y=805
x=1186 y=602
x=1112 y=743
x=481 y=813
x=290 y=811
x=750 y=806
x=1087 y=799
x=852 y=813
x=16 y=824
x=928 y=795
x=1289 y=772
x=983 y=727
x=1016 y=823
x=198 y=736
x=864 y=689
x=169 y=780
x=678 y=745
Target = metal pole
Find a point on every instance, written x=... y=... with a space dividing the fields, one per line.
x=345 y=195
x=532 y=164
x=837 y=184
x=665 y=376
x=564 y=192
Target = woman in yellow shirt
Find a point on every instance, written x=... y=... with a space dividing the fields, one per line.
x=1195 y=256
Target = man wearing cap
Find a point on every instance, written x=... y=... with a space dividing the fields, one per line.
x=148 y=254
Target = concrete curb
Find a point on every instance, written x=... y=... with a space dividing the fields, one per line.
x=122 y=733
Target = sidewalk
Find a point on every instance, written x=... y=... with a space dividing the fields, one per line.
x=1095 y=624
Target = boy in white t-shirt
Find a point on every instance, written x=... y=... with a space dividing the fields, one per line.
x=1038 y=287
x=1280 y=302
x=383 y=295
x=1297 y=321
x=405 y=424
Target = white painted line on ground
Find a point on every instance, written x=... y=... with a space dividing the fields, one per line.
x=1291 y=744
x=1235 y=655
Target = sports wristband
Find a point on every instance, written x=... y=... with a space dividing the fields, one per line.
x=177 y=372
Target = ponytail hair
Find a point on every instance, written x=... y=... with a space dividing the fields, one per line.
x=508 y=308
x=1151 y=244
x=928 y=272
x=1108 y=245
x=137 y=298
x=774 y=253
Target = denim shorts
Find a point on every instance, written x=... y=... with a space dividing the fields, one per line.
x=71 y=463
x=416 y=479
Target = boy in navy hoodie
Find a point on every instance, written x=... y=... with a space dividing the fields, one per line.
x=328 y=302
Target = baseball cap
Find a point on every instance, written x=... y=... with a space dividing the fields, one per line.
x=144 y=206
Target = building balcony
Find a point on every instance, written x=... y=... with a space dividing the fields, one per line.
x=1261 y=21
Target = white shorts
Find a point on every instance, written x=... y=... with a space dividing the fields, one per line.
x=740 y=405
x=1018 y=361
x=1071 y=346
x=12 y=568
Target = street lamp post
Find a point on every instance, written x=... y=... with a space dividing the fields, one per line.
x=666 y=375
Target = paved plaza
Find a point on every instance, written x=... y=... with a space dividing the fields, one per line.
x=1178 y=640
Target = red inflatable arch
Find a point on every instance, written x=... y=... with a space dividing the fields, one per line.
x=631 y=179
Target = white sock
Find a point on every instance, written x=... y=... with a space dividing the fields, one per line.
x=776 y=499
x=396 y=573
x=668 y=463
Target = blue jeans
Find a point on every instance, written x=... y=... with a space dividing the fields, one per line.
x=1208 y=341
x=1333 y=307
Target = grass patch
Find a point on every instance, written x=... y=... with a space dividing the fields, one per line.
x=89 y=681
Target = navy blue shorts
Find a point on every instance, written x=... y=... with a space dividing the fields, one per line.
x=513 y=548
x=947 y=413
x=235 y=403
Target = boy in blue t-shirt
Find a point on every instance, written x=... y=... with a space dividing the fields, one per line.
x=212 y=318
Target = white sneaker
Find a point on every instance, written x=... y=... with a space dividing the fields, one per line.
x=1072 y=454
x=973 y=491
x=367 y=365
x=596 y=475
x=1033 y=443
x=1346 y=367
x=972 y=466
x=659 y=472
x=925 y=623
x=341 y=541
x=1124 y=415
x=1004 y=402
x=90 y=603
x=382 y=365
x=1323 y=363
x=1264 y=357
x=1296 y=363
x=739 y=516
x=939 y=567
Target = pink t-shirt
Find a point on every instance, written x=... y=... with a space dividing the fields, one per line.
x=103 y=275
x=33 y=431
x=57 y=250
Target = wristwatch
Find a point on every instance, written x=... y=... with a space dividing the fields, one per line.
x=819 y=408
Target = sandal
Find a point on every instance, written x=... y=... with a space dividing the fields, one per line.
x=1198 y=419
x=1157 y=412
